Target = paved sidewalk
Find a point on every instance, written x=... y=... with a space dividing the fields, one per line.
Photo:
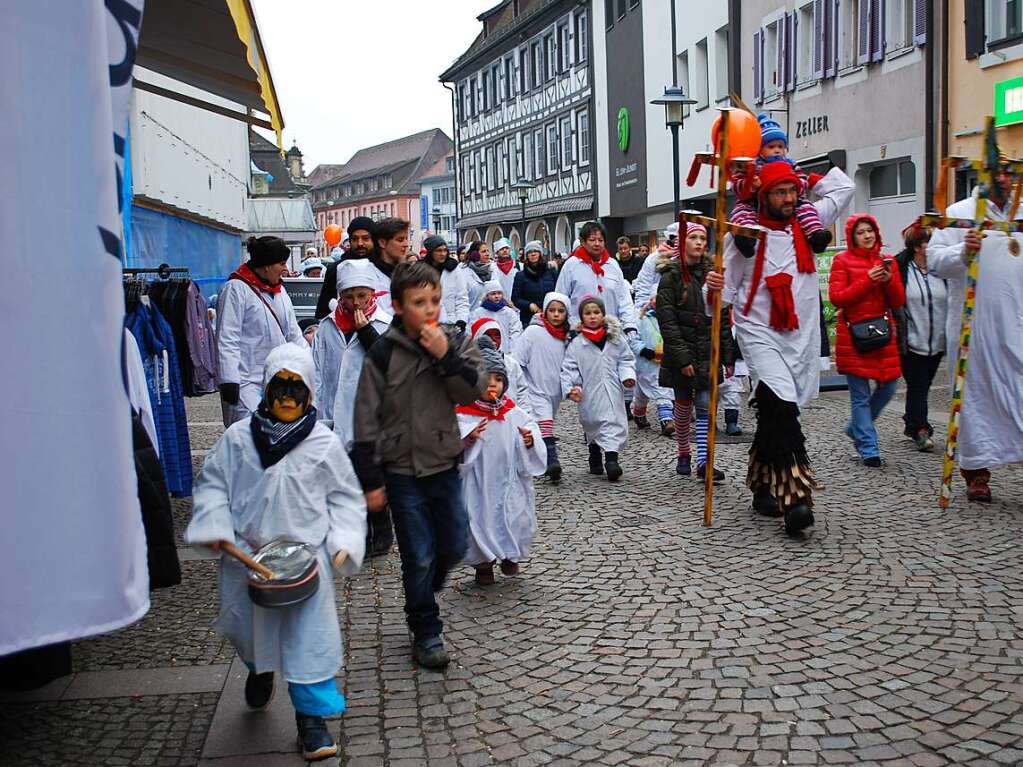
x=635 y=636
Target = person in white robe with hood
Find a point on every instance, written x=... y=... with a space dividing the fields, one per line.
x=505 y=267
x=486 y=331
x=598 y=367
x=279 y=474
x=541 y=351
x=454 y=298
x=341 y=342
x=590 y=271
x=254 y=315
x=496 y=306
x=991 y=420
x=503 y=452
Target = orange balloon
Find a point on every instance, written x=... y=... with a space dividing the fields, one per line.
x=743 y=134
x=332 y=234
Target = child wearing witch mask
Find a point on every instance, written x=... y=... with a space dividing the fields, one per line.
x=487 y=332
x=495 y=306
x=541 y=351
x=280 y=474
x=503 y=452
x=598 y=367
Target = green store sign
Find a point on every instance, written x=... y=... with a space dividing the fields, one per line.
x=623 y=129
x=1008 y=102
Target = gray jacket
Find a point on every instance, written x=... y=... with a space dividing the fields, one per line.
x=405 y=419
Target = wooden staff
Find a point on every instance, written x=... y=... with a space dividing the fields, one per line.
x=245 y=559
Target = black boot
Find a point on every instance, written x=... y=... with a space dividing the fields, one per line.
x=798 y=518
x=732 y=423
x=746 y=245
x=765 y=504
x=596 y=459
x=819 y=241
x=259 y=690
x=614 y=471
x=553 y=466
x=314 y=738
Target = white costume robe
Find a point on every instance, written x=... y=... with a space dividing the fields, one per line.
x=246 y=332
x=507 y=318
x=991 y=421
x=454 y=298
x=648 y=372
x=577 y=280
x=338 y=365
x=312 y=496
x=789 y=362
x=541 y=356
x=644 y=287
x=600 y=373
x=497 y=482
x=517 y=389
x=474 y=285
x=507 y=280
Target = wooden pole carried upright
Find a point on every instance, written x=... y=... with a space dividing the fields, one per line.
x=715 y=322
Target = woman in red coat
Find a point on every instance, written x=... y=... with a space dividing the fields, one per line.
x=866 y=285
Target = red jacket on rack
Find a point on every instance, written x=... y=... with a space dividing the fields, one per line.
x=860 y=298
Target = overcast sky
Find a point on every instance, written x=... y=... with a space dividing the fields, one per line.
x=382 y=56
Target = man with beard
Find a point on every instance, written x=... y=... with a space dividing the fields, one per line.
x=360 y=245
x=776 y=297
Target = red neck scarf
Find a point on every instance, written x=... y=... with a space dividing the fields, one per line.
x=561 y=333
x=597 y=266
x=505 y=264
x=492 y=411
x=596 y=334
x=805 y=262
x=246 y=275
x=344 y=314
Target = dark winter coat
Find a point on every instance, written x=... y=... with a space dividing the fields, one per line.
x=530 y=288
x=685 y=326
x=858 y=298
x=631 y=267
x=157 y=518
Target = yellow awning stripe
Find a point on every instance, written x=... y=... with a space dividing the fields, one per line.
x=245 y=25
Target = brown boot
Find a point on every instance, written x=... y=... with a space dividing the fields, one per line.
x=977 y=484
x=509 y=568
x=485 y=574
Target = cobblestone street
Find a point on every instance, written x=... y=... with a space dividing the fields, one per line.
x=891 y=635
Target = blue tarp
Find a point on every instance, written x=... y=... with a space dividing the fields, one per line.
x=159 y=238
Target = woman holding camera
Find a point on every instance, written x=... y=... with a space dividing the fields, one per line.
x=866 y=288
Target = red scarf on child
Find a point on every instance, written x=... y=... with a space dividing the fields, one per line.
x=505 y=264
x=561 y=333
x=246 y=275
x=492 y=411
x=344 y=313
x=595 y=334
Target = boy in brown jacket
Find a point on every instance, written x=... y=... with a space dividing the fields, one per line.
x=407 y=444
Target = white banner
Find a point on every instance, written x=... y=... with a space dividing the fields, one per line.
x=73 y=547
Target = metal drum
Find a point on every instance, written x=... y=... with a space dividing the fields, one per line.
x=296 y=574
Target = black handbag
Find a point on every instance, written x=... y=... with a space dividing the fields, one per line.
x=871 y=334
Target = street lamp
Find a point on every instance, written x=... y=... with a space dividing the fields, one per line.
x=521 y=190
x=675 y=102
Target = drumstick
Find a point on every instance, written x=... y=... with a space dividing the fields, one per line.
x=245 y=559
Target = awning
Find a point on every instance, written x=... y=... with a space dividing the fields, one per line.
x=213 y=45
x=282 y=215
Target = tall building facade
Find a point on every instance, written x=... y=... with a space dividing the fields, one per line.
x=437 y=199
x=524 y=115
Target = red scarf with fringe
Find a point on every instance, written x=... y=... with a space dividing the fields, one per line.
x=246 y=275
x=492 y=411
x=344 y=313
x=805 y=263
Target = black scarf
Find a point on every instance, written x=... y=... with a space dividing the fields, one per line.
x=378 y=261
x=448 y=266
x=275 y=439
x=538 y=269
x=483 y=271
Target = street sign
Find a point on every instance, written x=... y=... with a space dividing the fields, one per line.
x=1009 y=102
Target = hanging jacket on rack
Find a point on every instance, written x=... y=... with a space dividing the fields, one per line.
x=157 y=519
x=163 y=376
x=184 y=308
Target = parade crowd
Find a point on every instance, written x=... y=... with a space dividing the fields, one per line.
x=421 y=407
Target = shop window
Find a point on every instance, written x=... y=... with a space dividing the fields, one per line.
x=892 y=179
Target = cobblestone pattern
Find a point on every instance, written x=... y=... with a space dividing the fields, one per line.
x=162 y=731
x=177 y=631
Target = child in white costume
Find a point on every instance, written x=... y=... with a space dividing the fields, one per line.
x=648 y=347
x=516 y=388
x=541 y=351
x=280 y=474
x=503 y=452
x=341 y=342
x=598 y=367
x=495 y=306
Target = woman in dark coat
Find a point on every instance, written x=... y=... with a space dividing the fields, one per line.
x=685 y=330
x=534 y=281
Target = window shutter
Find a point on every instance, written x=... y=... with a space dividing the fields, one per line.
x=877 y=30
x=818 y=39
x=758 y=68
x=831 y=37
x=779 y=57
x=920 y=22
x=793 y=49
x=976 y=41
x=863 y=30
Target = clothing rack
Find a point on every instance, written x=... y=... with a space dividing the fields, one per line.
x=163 y=270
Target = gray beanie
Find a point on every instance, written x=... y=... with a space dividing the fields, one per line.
x=493 y=360
x=533 y=245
